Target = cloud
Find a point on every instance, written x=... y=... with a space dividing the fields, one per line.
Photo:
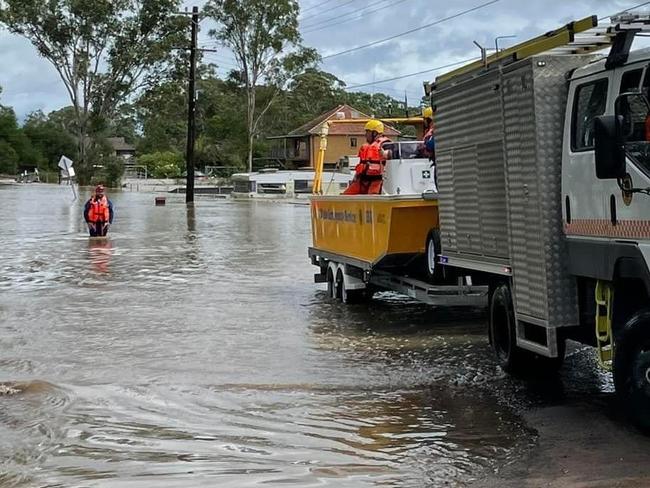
x=30 y=82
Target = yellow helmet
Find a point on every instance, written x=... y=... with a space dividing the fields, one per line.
x=427 y=113
x=375 y=125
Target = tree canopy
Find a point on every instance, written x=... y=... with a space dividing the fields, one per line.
x=266 y=42
x=103 y=50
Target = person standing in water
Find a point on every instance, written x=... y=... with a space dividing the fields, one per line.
x=98 y=213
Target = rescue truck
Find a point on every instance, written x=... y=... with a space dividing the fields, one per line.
x=543 y=168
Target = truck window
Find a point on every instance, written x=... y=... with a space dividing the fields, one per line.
x=631 y=80
x=589 y=102
x=636 y=128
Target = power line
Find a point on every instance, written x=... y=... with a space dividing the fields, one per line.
x=401 y=77
x=344 y=4
x=332 y=21
x=317 y=4
x=626 y=10
x=380 y=41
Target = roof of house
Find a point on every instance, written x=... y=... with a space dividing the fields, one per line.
x=340 y=112
x=119 y=144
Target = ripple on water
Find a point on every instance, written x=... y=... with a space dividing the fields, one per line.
x=32 y=426
x=293 y=433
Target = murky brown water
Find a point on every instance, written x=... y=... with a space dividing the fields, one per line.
x=193 y=349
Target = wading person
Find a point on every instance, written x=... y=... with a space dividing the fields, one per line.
x=98 y=213
x=372 y=157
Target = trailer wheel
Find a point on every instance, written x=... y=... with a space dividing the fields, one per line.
x=433 y=250
x=632 y=369
x=502 y=331
x=331 y=286
x=339 y=285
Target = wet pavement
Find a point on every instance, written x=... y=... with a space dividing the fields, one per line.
x=191 y=348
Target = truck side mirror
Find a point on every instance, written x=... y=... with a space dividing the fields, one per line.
x=609 y=147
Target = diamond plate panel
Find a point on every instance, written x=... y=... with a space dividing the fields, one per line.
x=492 y=200
x=446 y=200
x=499 y=157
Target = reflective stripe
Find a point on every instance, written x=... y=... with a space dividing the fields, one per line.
x=632 y=229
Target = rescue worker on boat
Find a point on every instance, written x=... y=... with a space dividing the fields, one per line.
x=372 y=159
x=428 y=148
x=98 y=213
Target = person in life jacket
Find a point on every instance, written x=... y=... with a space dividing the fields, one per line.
x=429 y=148
x=428 y=141
x=98 y=213
x=372 y=158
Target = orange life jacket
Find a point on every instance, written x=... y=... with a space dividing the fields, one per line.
x=373 y=157
x=98 y=211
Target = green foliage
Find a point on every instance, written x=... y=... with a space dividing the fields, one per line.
x=8 y=158
x=103 y=50
x=163 y=164
x=266 y=42
x=16 y=151
x=113 y=169
x=49 y=138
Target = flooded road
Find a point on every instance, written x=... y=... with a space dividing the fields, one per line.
x=193 y=349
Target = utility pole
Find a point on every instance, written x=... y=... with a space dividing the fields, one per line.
x=191 y=110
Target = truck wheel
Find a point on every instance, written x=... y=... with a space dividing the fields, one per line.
x=502 y=331
x=632 y=369
x=433 y=250
x=503 y=338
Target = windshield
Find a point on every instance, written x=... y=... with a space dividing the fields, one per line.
x=406 y=149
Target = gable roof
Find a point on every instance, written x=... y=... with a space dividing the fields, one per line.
x=313 y=126
x=119 y=144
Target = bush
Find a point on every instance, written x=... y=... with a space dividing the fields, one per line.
x=163 y=164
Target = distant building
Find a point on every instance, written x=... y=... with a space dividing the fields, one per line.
x=122 y=148
x=299 y=148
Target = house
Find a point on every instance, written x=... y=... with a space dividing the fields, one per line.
x=299 y=148
x=122 y=148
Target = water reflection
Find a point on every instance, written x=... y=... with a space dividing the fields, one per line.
x=99 y=252
x=216 y=361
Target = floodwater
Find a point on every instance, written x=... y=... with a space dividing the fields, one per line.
x=193 y=349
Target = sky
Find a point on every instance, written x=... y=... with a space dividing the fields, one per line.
x=331 y=26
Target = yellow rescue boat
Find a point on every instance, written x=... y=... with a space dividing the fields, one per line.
x=379 y=230
x=386 y=231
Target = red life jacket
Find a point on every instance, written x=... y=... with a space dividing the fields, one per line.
x=98 y=210
x=373 y=157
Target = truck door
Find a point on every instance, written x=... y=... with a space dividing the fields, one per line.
x=588 y=98
x=597 y=211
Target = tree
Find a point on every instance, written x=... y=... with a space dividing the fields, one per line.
x=15 y=148
x=49 y=138
x=103 y=51
x=312 y=93
x=259 y=33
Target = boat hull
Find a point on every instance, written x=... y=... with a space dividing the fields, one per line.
x=379 y=230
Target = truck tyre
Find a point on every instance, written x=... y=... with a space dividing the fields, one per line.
x=432 y=251
x=502 y=334
x=632 y=369
x=503 y=338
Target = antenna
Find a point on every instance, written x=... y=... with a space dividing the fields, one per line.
x=483 y=53
x=496 y=41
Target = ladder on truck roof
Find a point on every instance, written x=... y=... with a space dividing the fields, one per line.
x=582 y=36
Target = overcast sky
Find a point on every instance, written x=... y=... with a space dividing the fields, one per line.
x=331 y=26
